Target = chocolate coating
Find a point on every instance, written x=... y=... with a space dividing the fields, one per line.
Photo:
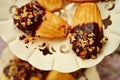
x=20 y=70
x=86 y=40
x=29 y=17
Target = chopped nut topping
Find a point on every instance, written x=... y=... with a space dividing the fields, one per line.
x=23 y=23
x=86 y=40
x=29 y=17
x=16 y=17
x=20 y=70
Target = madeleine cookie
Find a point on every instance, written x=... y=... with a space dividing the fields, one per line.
x=54 y=75
x=35 y=21
x=87 y=32
x=51 y=5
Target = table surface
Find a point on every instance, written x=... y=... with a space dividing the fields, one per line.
x=109 y=68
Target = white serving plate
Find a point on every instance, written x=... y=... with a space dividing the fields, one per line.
x=63 y=62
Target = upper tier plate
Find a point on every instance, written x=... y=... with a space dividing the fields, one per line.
x=63 y=58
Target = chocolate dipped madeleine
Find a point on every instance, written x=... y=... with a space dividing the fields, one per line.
x=36 y=22
x=86 y=35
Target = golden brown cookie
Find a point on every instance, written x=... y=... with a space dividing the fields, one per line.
x=87 y=32
x=55 y=75
x=51 y=5
x=36 y=22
